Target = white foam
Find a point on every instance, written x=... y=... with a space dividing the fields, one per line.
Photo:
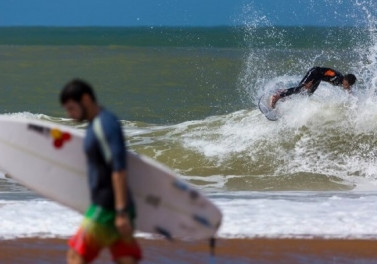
x=246 y=214
x=299 y=215
x=329 y=133
x=216 y=182
x=2 y=175
x=36 y=218
x=24 y=115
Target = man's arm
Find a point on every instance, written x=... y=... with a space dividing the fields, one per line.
x=122 y=221
x=111 y=140
x=120 y=190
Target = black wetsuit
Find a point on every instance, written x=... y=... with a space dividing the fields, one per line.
x=315 y=75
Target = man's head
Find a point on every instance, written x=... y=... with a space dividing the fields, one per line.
x=348 y=81
x=78 y=99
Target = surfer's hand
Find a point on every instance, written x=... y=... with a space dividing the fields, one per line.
x=123 y=224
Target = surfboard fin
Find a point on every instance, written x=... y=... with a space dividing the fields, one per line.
x=212 y=245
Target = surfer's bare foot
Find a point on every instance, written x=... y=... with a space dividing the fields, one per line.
x=274 y=100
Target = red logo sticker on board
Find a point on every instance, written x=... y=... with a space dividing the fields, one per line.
x=59 y=137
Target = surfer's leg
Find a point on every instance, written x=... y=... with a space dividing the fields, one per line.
x=127 y=260
x=274 y=99
x=74 y=258
x=290 y=91
x=91 y=237
x=280 y=94
x=83 y=247
x=126 y=251
x=284 y=93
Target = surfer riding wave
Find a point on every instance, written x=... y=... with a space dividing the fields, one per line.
x=311 y=81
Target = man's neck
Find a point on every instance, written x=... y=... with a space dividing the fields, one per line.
x=93 y=112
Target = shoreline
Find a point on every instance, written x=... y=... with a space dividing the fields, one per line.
x=258 y=250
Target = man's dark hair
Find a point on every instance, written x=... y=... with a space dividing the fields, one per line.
x=74 y=90
x=350 y=78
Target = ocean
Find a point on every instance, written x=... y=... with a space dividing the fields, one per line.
x=187 y=98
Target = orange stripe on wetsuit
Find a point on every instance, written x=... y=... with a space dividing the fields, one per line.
x=330 y=73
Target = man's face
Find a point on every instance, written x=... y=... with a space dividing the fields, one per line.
x=346 y=85
x=75 y=110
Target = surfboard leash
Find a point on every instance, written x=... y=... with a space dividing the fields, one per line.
x=212 y=245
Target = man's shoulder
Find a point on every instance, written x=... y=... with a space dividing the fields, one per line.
x=108 y=117
x=110 y=122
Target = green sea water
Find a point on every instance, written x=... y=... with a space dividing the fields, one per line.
x=149 y=83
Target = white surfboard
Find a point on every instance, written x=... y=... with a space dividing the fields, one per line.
x=264 y=106
x=49 y=159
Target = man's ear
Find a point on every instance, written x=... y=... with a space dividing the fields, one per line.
x=86 y=99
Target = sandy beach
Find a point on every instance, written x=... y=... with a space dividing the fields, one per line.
x=36 y=250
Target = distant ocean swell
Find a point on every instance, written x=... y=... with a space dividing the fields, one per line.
x=246 y=36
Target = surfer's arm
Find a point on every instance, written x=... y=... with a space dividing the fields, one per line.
x=120 y=190
x=117 y=148
x=122 y=222
x=119 y=181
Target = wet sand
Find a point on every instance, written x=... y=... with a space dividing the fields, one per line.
x=261 y=251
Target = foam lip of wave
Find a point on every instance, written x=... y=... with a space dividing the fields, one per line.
x=310 y=130
x=298 y=143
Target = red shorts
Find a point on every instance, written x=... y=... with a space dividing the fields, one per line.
x=89 y=251
x=93 y=236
